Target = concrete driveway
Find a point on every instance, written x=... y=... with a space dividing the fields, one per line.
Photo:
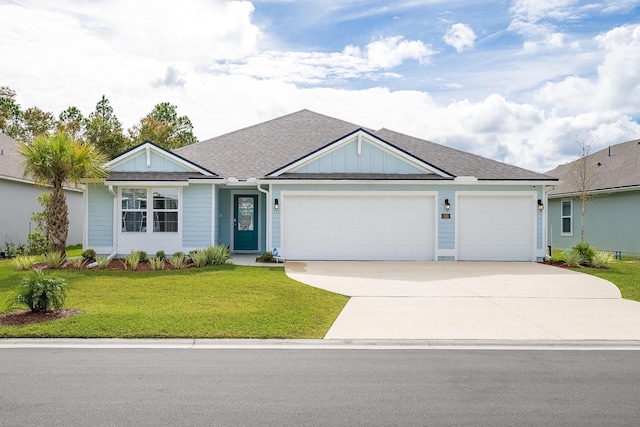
x=471 y=300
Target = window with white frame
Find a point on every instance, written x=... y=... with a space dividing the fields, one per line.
x=162 y=213
x=567 y=217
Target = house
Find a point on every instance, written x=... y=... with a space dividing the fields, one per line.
x=612 y=217
x=312 y=187
x=19 y=200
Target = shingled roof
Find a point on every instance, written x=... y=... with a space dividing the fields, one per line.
x=617 y=167
x=257 y=150
x=10 y=160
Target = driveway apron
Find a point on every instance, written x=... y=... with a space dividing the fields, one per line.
x=471 y=300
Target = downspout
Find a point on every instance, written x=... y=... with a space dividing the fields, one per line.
x=268 y=233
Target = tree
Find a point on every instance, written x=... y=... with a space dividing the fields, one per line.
x=103 y=129
x=9 y=112
x=53 y=160
x=164 y=127
x=584 y=176
x=73 y=122
x=35 y=122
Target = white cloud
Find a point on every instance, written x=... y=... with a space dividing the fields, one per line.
x=460 y=37
x=392 y=51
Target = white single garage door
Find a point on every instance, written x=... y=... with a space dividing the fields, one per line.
x=358 y=227
x=495 y=228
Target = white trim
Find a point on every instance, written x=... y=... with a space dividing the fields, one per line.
x=398 y=181
x=285 y=193
x=44 y=187
x=140 y=184
x=562 y=232
x=247 y=192
x=269 y=204
x=602 y=191
x=533 y=250
x=85 y=223
x=147 y=147
x=213 y=215
x=358 y=136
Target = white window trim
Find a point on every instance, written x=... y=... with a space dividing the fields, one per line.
x=149 y=211
x=562 y=217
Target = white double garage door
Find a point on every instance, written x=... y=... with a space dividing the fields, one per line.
x=403 y=226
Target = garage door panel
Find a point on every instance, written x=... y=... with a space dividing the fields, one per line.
x=495 y=228
x=358 y=227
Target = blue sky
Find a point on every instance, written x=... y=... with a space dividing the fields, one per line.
x=521 y=81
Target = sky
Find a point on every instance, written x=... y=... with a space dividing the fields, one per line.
x=525 y=82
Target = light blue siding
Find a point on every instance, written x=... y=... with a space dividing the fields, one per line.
x=158 y=163
x=372 y=159
x=196 y=212
x=446 y=227
x=224 y=216
x=612 y=223
x=100 y=213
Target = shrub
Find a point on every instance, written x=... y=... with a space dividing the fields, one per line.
x=24 y=262
x=602 y=259
x=177 y=260
x=77 y=261
x=53 y=259
x=574 y=259
x=200 y=258
x=161 y=255
x=103 y=262
x=89 y=255
x=217 y=255
x=132 y=260
x=143 y=256
x=37 y=244
x=156 y=263
x=265 y=257
x=42 y=293
x=586 y=252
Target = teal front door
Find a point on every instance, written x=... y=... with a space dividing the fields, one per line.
x=245 y=223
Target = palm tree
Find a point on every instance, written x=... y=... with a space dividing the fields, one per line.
x=55 y=160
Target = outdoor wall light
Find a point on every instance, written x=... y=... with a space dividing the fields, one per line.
x=540 y=205
x=447 y=206
x=276 y=204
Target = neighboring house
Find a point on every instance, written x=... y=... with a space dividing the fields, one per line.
x=312 y=187
x=612 y=220
x=19 y=200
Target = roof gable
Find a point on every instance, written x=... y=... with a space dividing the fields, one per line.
x=148 y=157
x=358 y=153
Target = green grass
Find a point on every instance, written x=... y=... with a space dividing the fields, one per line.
x=75 y=250
x=212 y=302
x=625 y=274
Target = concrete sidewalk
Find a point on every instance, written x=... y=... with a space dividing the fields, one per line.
x=471 y=301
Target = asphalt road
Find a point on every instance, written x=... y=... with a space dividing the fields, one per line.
x=291 y=387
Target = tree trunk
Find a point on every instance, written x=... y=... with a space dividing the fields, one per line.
x=58 y=220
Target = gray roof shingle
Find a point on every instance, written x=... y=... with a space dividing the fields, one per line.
x=258 y=150
x=10 y=160
x=619 y=168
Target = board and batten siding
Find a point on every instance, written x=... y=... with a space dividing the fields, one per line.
x=100 y=217
x=196 y=210
x=346 y=159
x=157 y=163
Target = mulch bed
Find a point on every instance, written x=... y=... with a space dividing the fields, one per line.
x=115 y=264
x=26 y=317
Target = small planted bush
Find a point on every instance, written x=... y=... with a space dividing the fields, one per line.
x=199 y=257
x=143 y=256
x=177 y=260
x=574 y=259
x=89 y=255
x=132 y=260
x=156 y=263
x=42 y=293
x=24 y=262
x=265 y=257
x=103 y=262
x=217 y=255
x=586 y=252
x=77 y=261
x=161 y=255
x=602 y=259
x=53 y=259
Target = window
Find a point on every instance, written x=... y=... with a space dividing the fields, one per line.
x=567 y=218
x=163 y=211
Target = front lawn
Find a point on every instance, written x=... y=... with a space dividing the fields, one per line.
x=212 y=302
